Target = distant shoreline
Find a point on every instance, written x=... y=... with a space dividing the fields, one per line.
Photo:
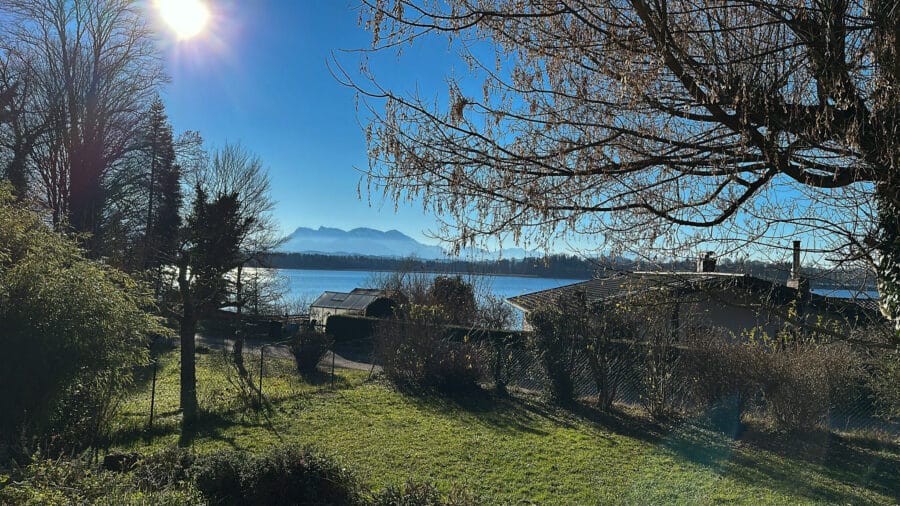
x=453 y=273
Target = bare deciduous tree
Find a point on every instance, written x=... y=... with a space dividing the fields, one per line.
x=88 y=70
x=652 y=122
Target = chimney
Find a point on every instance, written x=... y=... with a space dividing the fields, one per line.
x=795 y=267
x=796 y=281
x=707 y=263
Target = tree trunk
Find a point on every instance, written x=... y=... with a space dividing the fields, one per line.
x=888 y=196
x=188 y=360
x=238 y=349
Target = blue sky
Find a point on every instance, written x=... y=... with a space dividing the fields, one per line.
x=260 y=76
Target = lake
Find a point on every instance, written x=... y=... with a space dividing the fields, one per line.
x=308 y=284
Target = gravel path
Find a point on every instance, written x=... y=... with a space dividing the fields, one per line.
x=281 y=351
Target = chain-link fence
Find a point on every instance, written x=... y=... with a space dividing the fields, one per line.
x=630 y=375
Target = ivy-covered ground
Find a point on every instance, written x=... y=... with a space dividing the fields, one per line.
x=515 y=450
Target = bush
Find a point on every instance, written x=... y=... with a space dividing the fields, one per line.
x=285 y=476
x=308 y=349
x=350 y=328
x=801 y=382
x=162 y=470
x=795 y=382
x=555 y=349
x=72 y=331
x=721 y=376
x=418 y=352
x=456 y=297
x=77 y=481
x=885 y=385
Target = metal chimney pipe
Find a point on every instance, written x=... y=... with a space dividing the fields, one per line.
x=795 y=268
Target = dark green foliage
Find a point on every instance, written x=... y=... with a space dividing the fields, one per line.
x=562 y=330
x=350 y=328
x=888 y=245
x=165 y=469
x=308 y=349
x=885 y=383
x=216 y=229
x=71 y=331
x=288 y=476
x=456 y=297
x=163 y=189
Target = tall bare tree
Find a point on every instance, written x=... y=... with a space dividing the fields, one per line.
x=652 y=122
x=91 y=69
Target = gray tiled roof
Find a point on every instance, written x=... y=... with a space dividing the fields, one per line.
x=620 y=284
x=628 y=283
x=358 y=299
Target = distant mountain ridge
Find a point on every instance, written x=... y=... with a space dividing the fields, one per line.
x=377 y=243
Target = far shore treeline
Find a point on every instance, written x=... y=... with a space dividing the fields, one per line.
x=560 y=266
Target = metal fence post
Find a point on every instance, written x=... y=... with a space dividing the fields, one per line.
x=262 y=351
x=153 y=392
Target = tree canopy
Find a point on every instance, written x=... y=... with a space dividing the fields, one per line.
x=651 y=122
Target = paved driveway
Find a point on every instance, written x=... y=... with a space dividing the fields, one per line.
x=253 y=346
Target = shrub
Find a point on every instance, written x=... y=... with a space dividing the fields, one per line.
x=418 y=352
x=422 y=494
x=77 y=481
x=164 y=469
x=285 y=476
x=456 y=297
x=721 y=376
x=885 y=385
x=555 y=348
x=72 y=331
x=308 y=349
x=350 y=328
x=802 y=381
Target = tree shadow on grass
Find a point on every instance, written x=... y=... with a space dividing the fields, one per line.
x=213 y=426
x=790 y=463
x=820 y=466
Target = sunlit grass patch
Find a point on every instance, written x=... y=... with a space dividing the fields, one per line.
x=511 y=449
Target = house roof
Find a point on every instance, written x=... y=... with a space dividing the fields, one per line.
x=356 y=300
x=622 y=284
x=629 y=283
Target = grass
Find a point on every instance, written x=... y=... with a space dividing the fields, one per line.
x=510 y=450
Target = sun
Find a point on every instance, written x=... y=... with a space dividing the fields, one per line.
x=187 y=18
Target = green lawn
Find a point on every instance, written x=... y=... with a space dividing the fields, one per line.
x=512 y=451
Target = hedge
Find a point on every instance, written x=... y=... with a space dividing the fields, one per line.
x=351 y=328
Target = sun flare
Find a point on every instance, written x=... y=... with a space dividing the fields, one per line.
x=187 y=18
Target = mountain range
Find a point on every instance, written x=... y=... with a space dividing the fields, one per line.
x=377 y=243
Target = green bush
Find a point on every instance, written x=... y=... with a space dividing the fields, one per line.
x=308 y=349
x=555 y=344
x=77 y=481
x=72 y=331
x=351 y=328
x=885 y=385
x=456 y=297
x=285 y=476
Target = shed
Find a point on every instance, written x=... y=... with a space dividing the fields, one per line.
x=358 y=302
